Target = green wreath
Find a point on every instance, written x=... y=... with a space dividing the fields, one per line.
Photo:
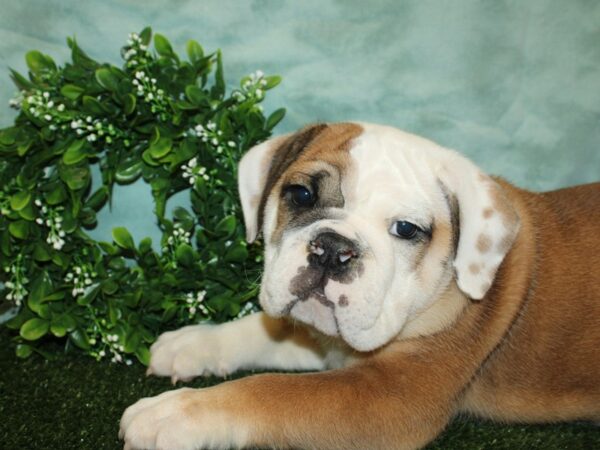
x=158 y=118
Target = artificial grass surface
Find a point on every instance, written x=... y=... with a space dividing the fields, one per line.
x=74 y=402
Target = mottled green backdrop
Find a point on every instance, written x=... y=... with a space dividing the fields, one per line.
x=515 y=85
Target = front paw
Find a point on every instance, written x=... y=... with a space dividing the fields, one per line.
x=183 y=419
x=190 y=352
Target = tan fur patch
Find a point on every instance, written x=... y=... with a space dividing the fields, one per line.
x=474 y=268
x=487 y=213
x=484 y=243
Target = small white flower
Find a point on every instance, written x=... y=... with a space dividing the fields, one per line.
x=46 y=95
x=60 y=107
x=139 y=75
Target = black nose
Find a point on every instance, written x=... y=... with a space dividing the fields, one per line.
x=332 y=251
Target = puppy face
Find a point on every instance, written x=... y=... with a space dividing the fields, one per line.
x=365 y=226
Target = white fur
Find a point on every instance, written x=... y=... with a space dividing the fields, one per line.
x=248 y=343
x=170 y=422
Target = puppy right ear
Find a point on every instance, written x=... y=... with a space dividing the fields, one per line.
x=252 y=177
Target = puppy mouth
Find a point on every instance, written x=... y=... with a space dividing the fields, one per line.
x=317 y=294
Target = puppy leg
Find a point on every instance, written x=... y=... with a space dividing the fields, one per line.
x=255 y=341
x=357 y=407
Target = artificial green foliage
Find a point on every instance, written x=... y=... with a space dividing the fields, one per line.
x=167 y=121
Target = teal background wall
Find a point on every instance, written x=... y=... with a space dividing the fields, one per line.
x=515 y=85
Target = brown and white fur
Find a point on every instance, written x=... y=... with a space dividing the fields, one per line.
x=492 y=309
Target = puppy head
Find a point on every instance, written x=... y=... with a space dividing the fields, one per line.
x=365 y=226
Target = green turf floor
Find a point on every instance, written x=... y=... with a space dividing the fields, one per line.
x=73 y=402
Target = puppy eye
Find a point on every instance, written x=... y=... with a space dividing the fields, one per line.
x=404 y=229
x=300 y=196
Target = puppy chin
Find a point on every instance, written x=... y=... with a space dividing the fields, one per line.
x=313 y=313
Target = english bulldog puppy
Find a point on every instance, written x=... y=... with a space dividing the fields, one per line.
x=412 y=285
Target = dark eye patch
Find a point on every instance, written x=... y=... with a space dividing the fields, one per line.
x=300 y=196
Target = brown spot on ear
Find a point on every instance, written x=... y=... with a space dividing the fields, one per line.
x=484 y=243
x=474 y=268
x=487 y=213
x=343 y=301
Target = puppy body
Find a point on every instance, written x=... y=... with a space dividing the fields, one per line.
x=527 y=351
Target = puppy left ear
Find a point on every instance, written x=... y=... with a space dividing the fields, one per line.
x=489 y=225
x=252 y=177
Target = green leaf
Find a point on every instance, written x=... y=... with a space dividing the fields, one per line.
x=75 y=153
x=88 y=297
x=162 y=45
x=71 y=91
x=20 y=81
x=92 y=106
x=143 y=354
x=145 y=245
x=109 y=249
x=20 y=200
x=194 y=51
x=195 y=94
x=226 y=226
x=272 y=81
x=107 y=79
x=146 y=35
x=183 y=216
x=218 y=89
x=80 y=339
x=97 y=199
x=57 y=195
x=161 y=147
x=62 y=324
x=275 y=118
x=109 y=287
x=123 y=238
x=34 y=329
x=236 y=253
x=38 y=62
x=19 y=229
x=132 y=341
x=129 y=170
x=24 y=350
x=41 y=252
x=129 y=103
x=42 y=286
x=185 y=255
x=75 y=176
